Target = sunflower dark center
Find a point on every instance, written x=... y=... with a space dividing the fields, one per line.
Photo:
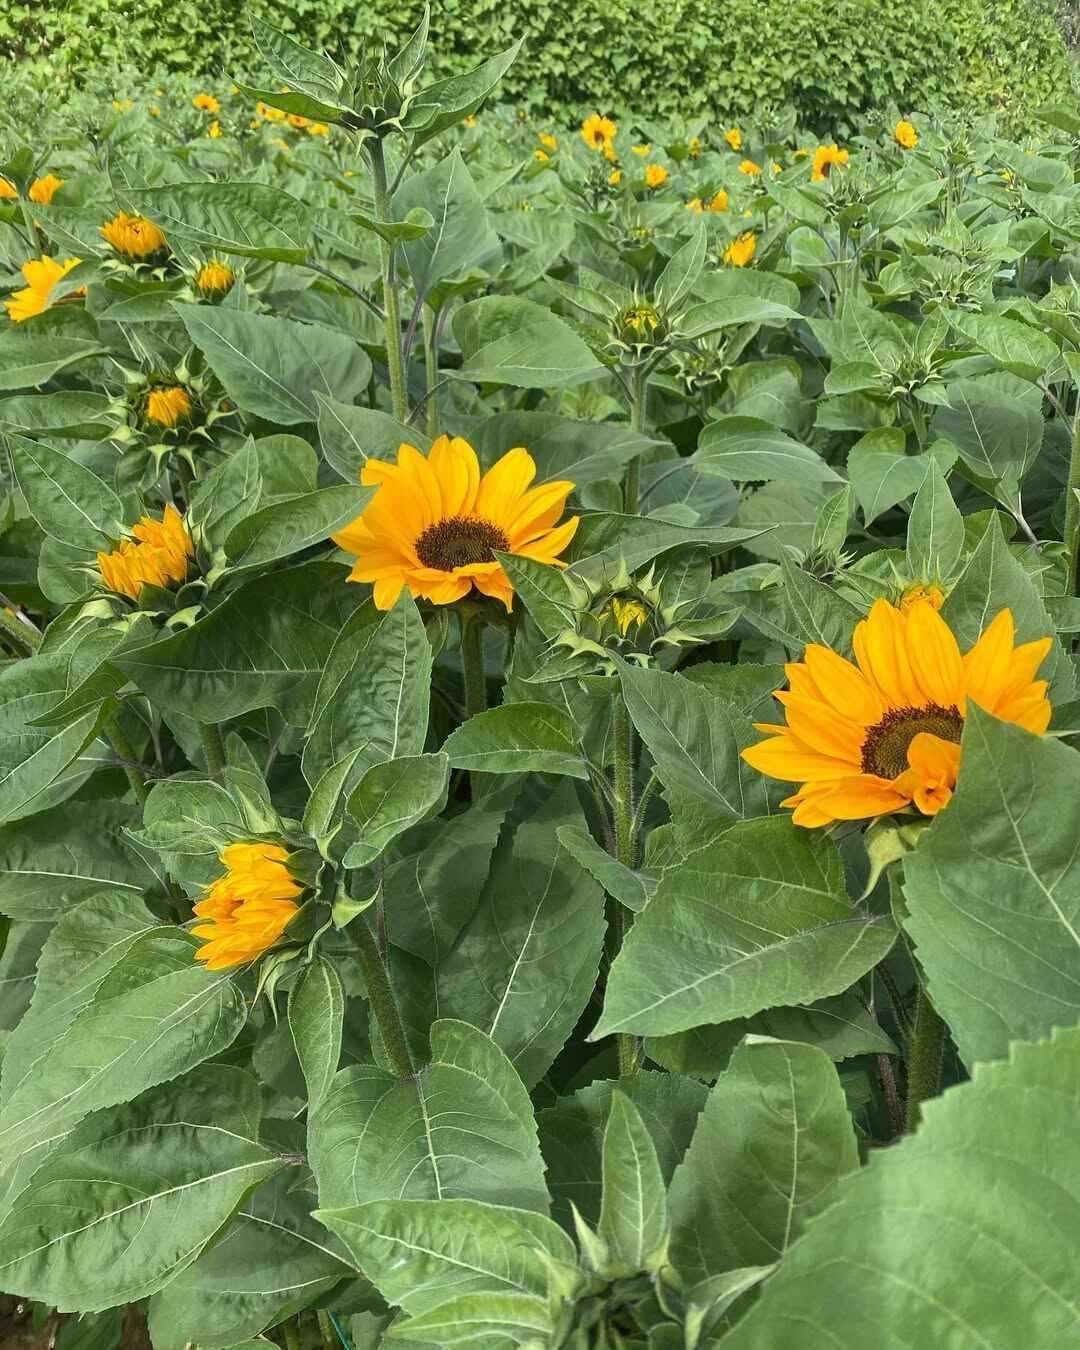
x=459 y=542
x=885 y=748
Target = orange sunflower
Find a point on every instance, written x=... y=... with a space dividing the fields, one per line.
x=245 y=912
x=435 y=523
x=41 y=275
x=884 y=733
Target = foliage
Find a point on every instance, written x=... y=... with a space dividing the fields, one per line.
x=832 y=60
x=390 y=963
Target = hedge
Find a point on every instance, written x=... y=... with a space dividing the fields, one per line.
x=830 y=58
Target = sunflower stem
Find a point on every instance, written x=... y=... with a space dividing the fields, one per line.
x=1072 y=512
x=925 y=1047
x=391 y=309
x=471 y=627
x=117 y=738
x=380 y=994
x=22 y=635
x=638 y=393
x=431 y=370
x=622 y=735
x=292 y=1334
x=213 y=748
x=326 y=1330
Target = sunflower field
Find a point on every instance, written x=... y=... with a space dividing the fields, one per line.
x=537 y=714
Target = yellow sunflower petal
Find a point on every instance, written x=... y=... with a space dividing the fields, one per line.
x=937 y=663
x=502 y=487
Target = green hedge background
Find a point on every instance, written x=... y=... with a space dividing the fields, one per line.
x=831 y=58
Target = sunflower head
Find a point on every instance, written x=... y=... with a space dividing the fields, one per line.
x=719 y=201
x=826 y=158
x=598 y=132
x=43 y=190
x=246 y=910
x=41 y=275
x=655 y=175
x=628 y=614
x=905 y=135
x=639 y=326
x=740 y=252
x=159 y=553
x=134 y=238
x=693 y=147
x=734 y=138
x=548 y=141
x=436 y=523
x=214 y=279
x=883 y=734
x=8 y=190
x=167 y=405
x=206 y=103
x=750 y=168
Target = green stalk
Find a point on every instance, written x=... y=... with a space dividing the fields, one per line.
x=638 y=392
x=1072 y=511
x=622 y=734
x=431 y=370
x=27 y=639
x=923 y=1059
x=392 y=321
x=292 y=1334
x=126 y=753
x=326 y=1330
x=471 y=627
x=380 y=994
x=213 y=748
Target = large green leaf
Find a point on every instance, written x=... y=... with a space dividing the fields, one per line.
x=526 y=963
x=633 y=1208
x=757 y=919
x=316 y=1012
x=749 y=450
x=68 y=500
x=296 y=523
x=508 y=340
x=27 y=360
x=350 y=436
x=961 y=1235
x=460 y=1128
x=274 y=367
x=460 y=235
x=993 y=891
x=995 y=421
x=518 y=738
x=251 y=219
x=773 y=1137
x=391 y=798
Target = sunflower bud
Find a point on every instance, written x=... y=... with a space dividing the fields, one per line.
x=214 y=280
x=167 y=406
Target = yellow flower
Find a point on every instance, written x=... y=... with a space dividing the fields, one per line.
x=918 y=591
x=214 y=130
x=470 y=120
x=541 y=156
x=906 y=135
x=868 y=738
x=436 y=523
x=42 y=190
x=628 y=614
x=271 y=114
x=825 y=157
x=155 y=111
x=206 y=103
x=122 y=104
x=295 y=120
x=215 y=278
x=615 y=177
x=548 y=141
x=720 y=201
x=168 y=405
x=693 y=147
x=741 y=250
x=598 y=132
x=641 y=318
x=655 y=175
x=749 y=168
x=734 y=138
x=160 y=555
x=7 y=189
x=245 y=912
x=41 y=275
x=642 y=150
x=695 y=204
x=133 y=236
x=318 y=129
x=801 y=153
x=1008 y=176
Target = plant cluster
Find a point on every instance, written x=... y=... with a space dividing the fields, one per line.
x=537 y=802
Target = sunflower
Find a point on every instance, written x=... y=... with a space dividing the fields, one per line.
x=133 y=237
x=741 y=250
x=8 y=190
x=734 y=138
x=318 y=129
x=214 y=130
x=719 y=202
x=435 y=524
x=548 y=141
x=655 y=175
x=41 y=275
x=167 y=405
x=628 y=614
x=642 y=150
x=748 y=167
x=884 y=733
x=905 y=135
x=825 y=158
x=214 y=279
x=206 y=103
x=161 y=555
x=615 y=177
x=245 y=912
x=42 y=190
x=541 y=156
x=598 y=132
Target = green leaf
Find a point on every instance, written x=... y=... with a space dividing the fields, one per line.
x=294 y=63
x=264 y=646
x=461 y=1128
x=773 y=1137
x=508 y=340
x=444 y=103
x=125 y=1204
x=250 y=219
x=630 y=888
x=69 y=501
x=633 y=1210
x=391 y=798
x=993 y=891
x=294 y=524
x=27 y=360
x=757 y=919
x=460 y=234
x=518 y=738
x=274 y=367
x=818 y=613
x=682 y=269
x=713 y=315
x=67 y=412
x=418 y=1253
x=995 y=421
x=350 y=436
x=523 y=1319
x=316 y=1013
x=374 y=691
x=525 y=965
x=749 y=450
x=156 y=1014
x=1016 y=345
x=935 y=537
x=976 y=1191
x=544 y=592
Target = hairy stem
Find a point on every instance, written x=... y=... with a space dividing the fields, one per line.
x=118 y=740
x=391 y=310
x=622 y=731
x=431 y=369
x=471 y=627
x=638 y=393
x=1072 y=512
x=213 y=748
x=380 y=994
x=925 y=1045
